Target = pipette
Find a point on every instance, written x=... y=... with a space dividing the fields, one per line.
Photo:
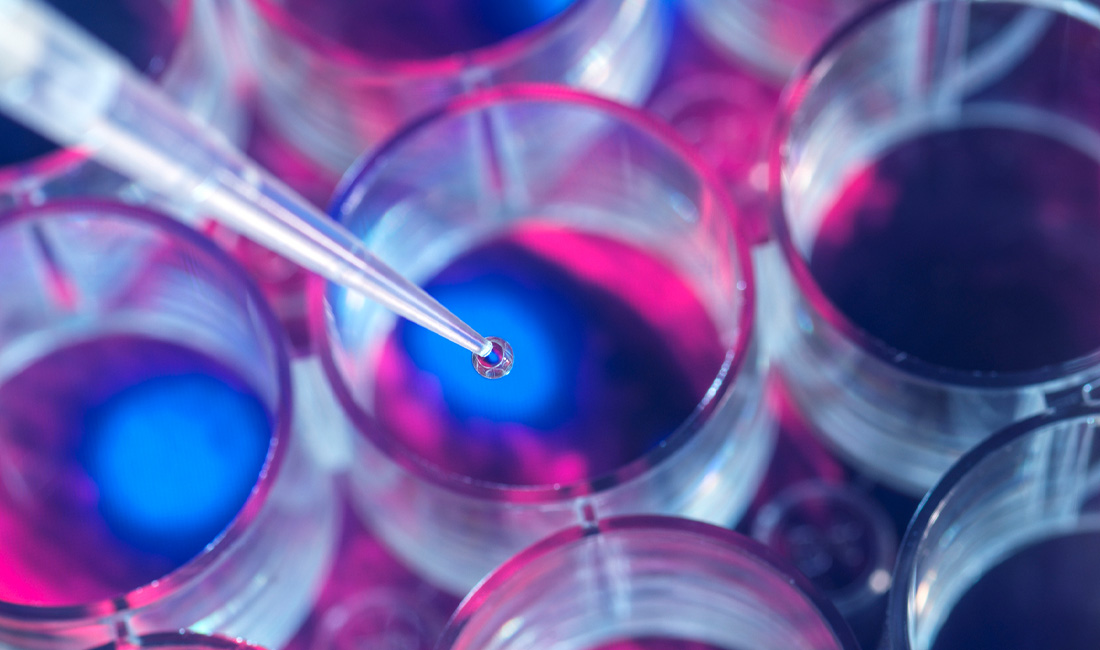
x=60 y=81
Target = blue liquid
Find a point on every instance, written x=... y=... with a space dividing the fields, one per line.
x=140 y=30
x=123 y=458
x=1044 y=597
x=972 y=249
x=422 y=29
x=167 y=493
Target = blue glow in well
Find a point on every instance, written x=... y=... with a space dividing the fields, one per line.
x=174 y=459
x=506 y=17
x=544 y=336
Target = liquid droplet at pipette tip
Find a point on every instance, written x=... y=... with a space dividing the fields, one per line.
x=497 y=362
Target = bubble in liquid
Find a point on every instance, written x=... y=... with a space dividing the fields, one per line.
x=497 y=363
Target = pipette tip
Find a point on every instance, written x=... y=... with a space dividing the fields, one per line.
x=495 y=363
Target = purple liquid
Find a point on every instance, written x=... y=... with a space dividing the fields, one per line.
x=972 y=249
x=613 y=351
x=120 y=459
x=657 y=643
x=142 y=31
x=391 y=30
x=1044 y=597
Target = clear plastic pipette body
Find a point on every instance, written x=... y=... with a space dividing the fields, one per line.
x=60 y=81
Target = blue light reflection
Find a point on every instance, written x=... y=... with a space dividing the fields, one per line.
x=507 y=17
x=174 y=459
x=544 y=332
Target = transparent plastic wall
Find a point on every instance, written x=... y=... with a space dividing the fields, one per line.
x=632 y=578
x=181 y=44
x=80 y=273
x=900 y=72
x=482 y=167
x=334 y=99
